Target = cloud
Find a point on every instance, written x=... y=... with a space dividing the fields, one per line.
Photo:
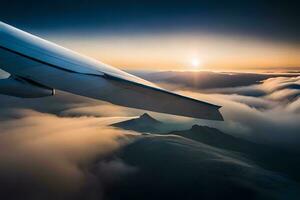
x=104 y=176
x=43 y=156
x=294 y=106
x=260 y=107
x=277 y=88
x=100 y=110
x=272 y=118
x=204 y=80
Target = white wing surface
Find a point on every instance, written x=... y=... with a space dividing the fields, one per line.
x=49 y=66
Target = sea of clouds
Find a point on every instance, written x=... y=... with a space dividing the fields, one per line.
x=63 y=147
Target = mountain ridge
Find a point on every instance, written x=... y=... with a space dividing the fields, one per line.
x=261 y=154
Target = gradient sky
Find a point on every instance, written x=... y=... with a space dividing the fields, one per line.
x=178 y=35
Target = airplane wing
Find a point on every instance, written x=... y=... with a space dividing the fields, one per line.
x=43 y=66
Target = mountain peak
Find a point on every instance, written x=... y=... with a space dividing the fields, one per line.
x=144 y=123
x=146 y=116
x=195 y=126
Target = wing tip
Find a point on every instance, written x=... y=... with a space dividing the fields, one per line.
x=219 y=115
x=214 y=114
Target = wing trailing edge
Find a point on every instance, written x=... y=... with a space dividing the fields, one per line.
x=19 y=87
x=136 y=95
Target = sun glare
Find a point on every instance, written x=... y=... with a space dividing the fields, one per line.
x=196 y=63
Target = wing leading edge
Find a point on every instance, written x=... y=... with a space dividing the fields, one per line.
x=52 y=66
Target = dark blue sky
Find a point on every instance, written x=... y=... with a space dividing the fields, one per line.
x=274 y=20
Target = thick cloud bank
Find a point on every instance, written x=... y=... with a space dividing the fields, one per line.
x=43 y=156
x=267 y=111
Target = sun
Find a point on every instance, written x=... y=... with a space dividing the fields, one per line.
x=196 y=63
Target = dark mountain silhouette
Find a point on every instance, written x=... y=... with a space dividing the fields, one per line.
x=268 y=157
x=261 y=154
x=144 y=123
x=216 y=138
x=173 y=167
x=204 y=134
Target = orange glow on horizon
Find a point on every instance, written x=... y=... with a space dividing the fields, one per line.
x=182 y=51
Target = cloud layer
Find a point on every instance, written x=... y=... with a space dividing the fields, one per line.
x=44 y=156
x=266 y=112
x=63 y=147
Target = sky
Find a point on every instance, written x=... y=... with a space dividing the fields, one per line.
x=168 y=35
